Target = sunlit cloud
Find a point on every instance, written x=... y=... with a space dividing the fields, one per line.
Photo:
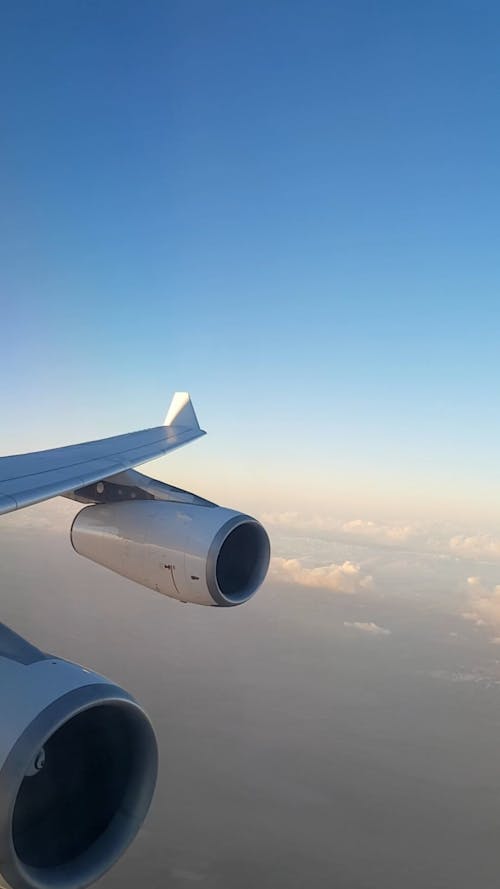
x=367 y=627
x=478 y=547
x=346 y=578
x=366 y=529
x=379 y=533
x=359 y=530
x=483 y=607
x=440 y=539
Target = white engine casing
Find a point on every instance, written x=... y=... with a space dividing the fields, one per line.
x=78 y=766
x=207 y=555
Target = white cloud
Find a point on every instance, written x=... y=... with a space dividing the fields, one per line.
x=480 y=546
x=346 y=578
x=438 y=539
x=380 y=533
x=286 y=519
x=366 y=530
x=483 y=607
x=367 y=627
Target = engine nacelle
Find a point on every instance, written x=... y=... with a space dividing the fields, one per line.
x=78 y=765
x=203 y=554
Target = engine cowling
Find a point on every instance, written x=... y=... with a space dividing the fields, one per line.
x=203 y=554
x=78 y=766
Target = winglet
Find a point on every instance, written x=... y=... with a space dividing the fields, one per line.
x=181 y=412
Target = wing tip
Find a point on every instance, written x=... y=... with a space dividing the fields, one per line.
x=181 y=412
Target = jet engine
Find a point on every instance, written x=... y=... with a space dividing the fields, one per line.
x=78 y=765
x=195 y=553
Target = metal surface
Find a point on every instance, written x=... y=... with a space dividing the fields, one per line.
x=169 y=547
x=26 y=479
x=78 y=765
x=14 y=648
x=133 y=485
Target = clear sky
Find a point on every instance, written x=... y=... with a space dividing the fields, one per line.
x=288 y=208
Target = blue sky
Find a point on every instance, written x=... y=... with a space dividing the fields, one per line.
x=288 y=208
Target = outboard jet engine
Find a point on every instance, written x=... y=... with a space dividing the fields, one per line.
x=78 y=765
x=206 y=555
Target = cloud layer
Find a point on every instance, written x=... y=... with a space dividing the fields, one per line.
x=417 y=537
x=346 y=578
x=483 y=606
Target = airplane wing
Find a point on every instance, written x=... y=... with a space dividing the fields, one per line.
x=30 y=478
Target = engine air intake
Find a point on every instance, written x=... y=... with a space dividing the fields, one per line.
x=242 y=562
x=77 y=786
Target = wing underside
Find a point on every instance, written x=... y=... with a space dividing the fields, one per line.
x=26 y=479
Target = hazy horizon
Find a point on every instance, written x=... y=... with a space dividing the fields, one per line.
x=343 y=734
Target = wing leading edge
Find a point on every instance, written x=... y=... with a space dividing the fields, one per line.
x=26 y=479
